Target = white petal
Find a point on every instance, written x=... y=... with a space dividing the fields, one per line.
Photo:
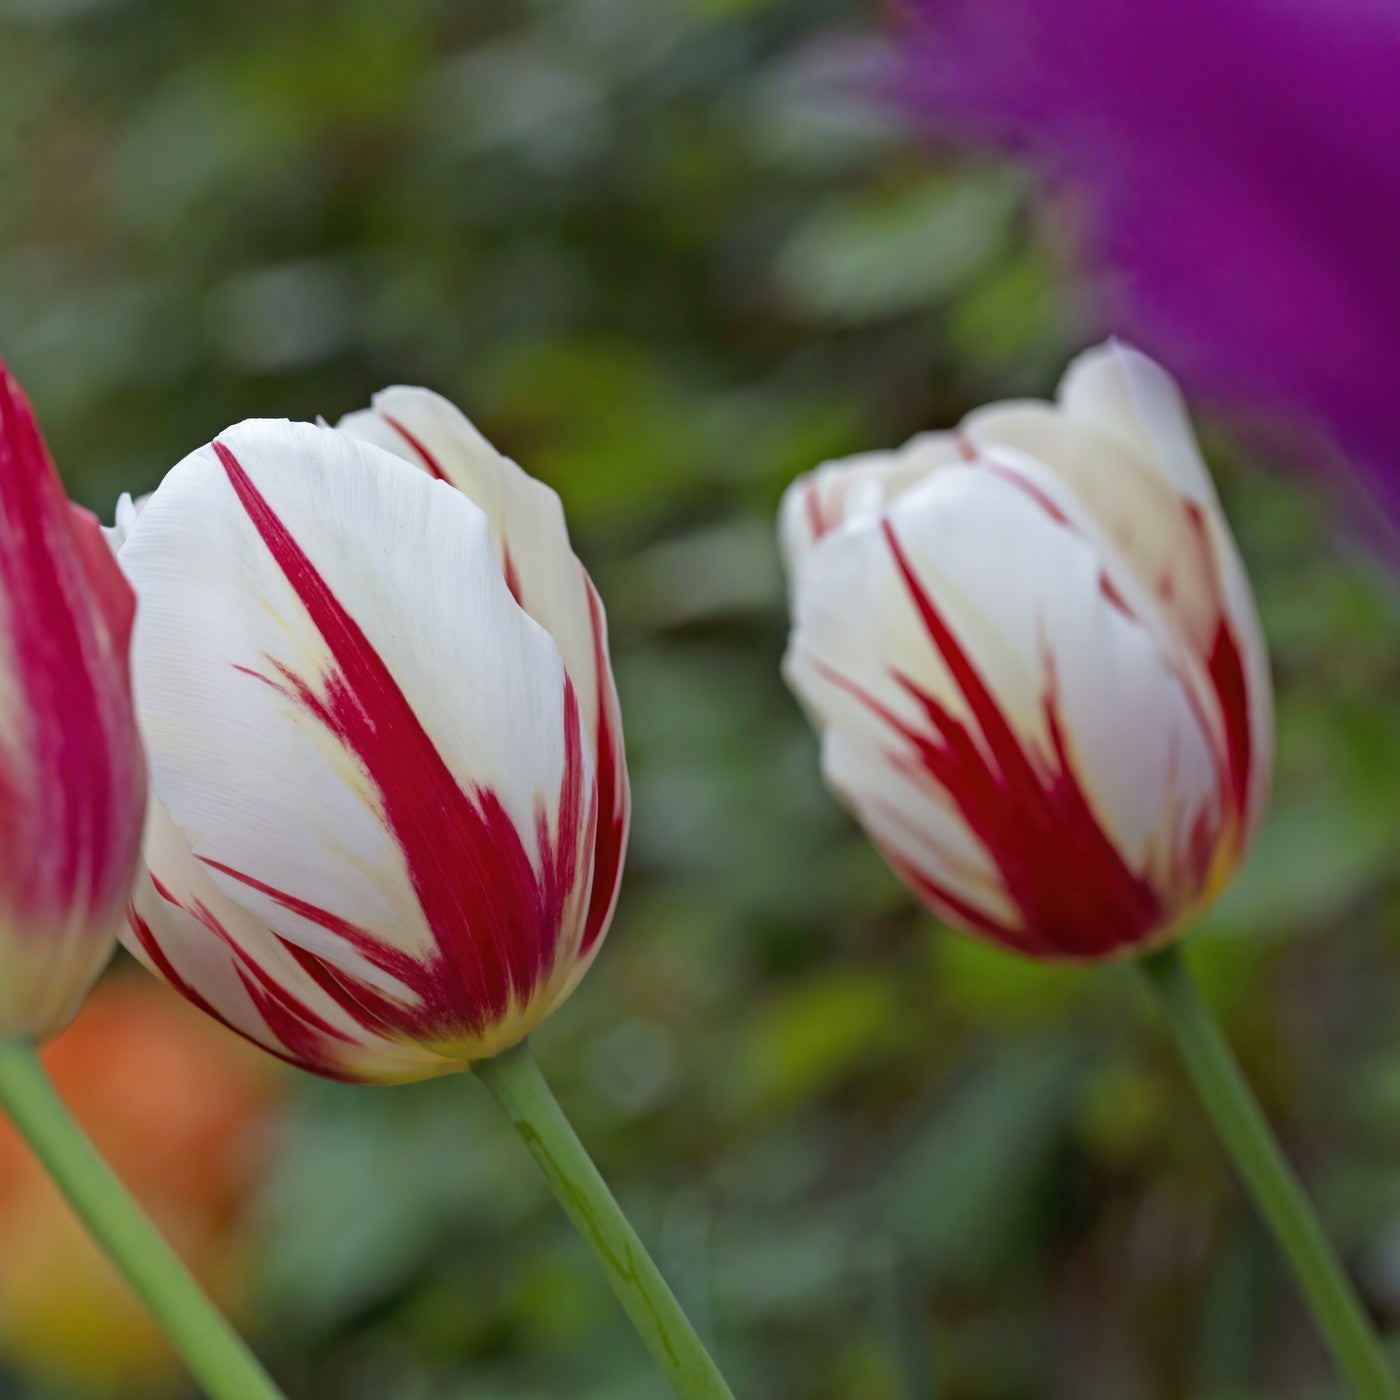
x=124 y=518
x=1120 y=392
x=1138 y=513
x=853 y=489
x=1122 y=438
x=543 y=573
x=353 y=724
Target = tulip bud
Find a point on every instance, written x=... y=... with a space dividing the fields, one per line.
x=72 y=774
x=390 y=796
x=1032 y=654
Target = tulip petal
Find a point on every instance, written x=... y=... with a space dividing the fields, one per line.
x=367 y=744
x=1060 y=799
x=855 y=488
x=1124 y=395
x=1122 y=440
x=123 y=519
x=544 y=576
x=1151 y=526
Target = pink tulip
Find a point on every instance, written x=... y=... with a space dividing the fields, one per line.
x=72 y=775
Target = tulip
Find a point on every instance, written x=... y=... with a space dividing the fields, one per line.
x=1031 y=651
x=71 y=769
x=390 y=799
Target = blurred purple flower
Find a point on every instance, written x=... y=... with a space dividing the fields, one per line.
x=1240 y=165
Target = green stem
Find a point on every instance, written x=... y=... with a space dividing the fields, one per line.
x=215 y=1355
x=516 y=1083
x=1247 y=1136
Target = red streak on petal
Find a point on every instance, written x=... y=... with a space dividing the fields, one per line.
x=1227 y=674
x=496 y=924
x=1074 y=891
x=257 y=676
x=561 y=859
x=1028 y=488
x=435 y=468
x=151 y=946
x=427 y=457
x=613 y=793
x=164 y=892
x=1225 y=665
x=953 y=907
x=1109 y=589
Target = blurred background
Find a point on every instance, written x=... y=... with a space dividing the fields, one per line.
x=664 y=259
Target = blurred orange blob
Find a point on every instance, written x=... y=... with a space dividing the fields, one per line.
x=182 y=1111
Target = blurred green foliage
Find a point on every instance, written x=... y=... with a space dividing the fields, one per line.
x=667 y=260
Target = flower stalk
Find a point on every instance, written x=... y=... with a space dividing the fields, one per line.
x=1235 y=1112
x=515 y=1082
x=218 y=1359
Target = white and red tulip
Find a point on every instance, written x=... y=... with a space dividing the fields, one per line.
x=390 y=798
x=72 y=776
x=1032 y=653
